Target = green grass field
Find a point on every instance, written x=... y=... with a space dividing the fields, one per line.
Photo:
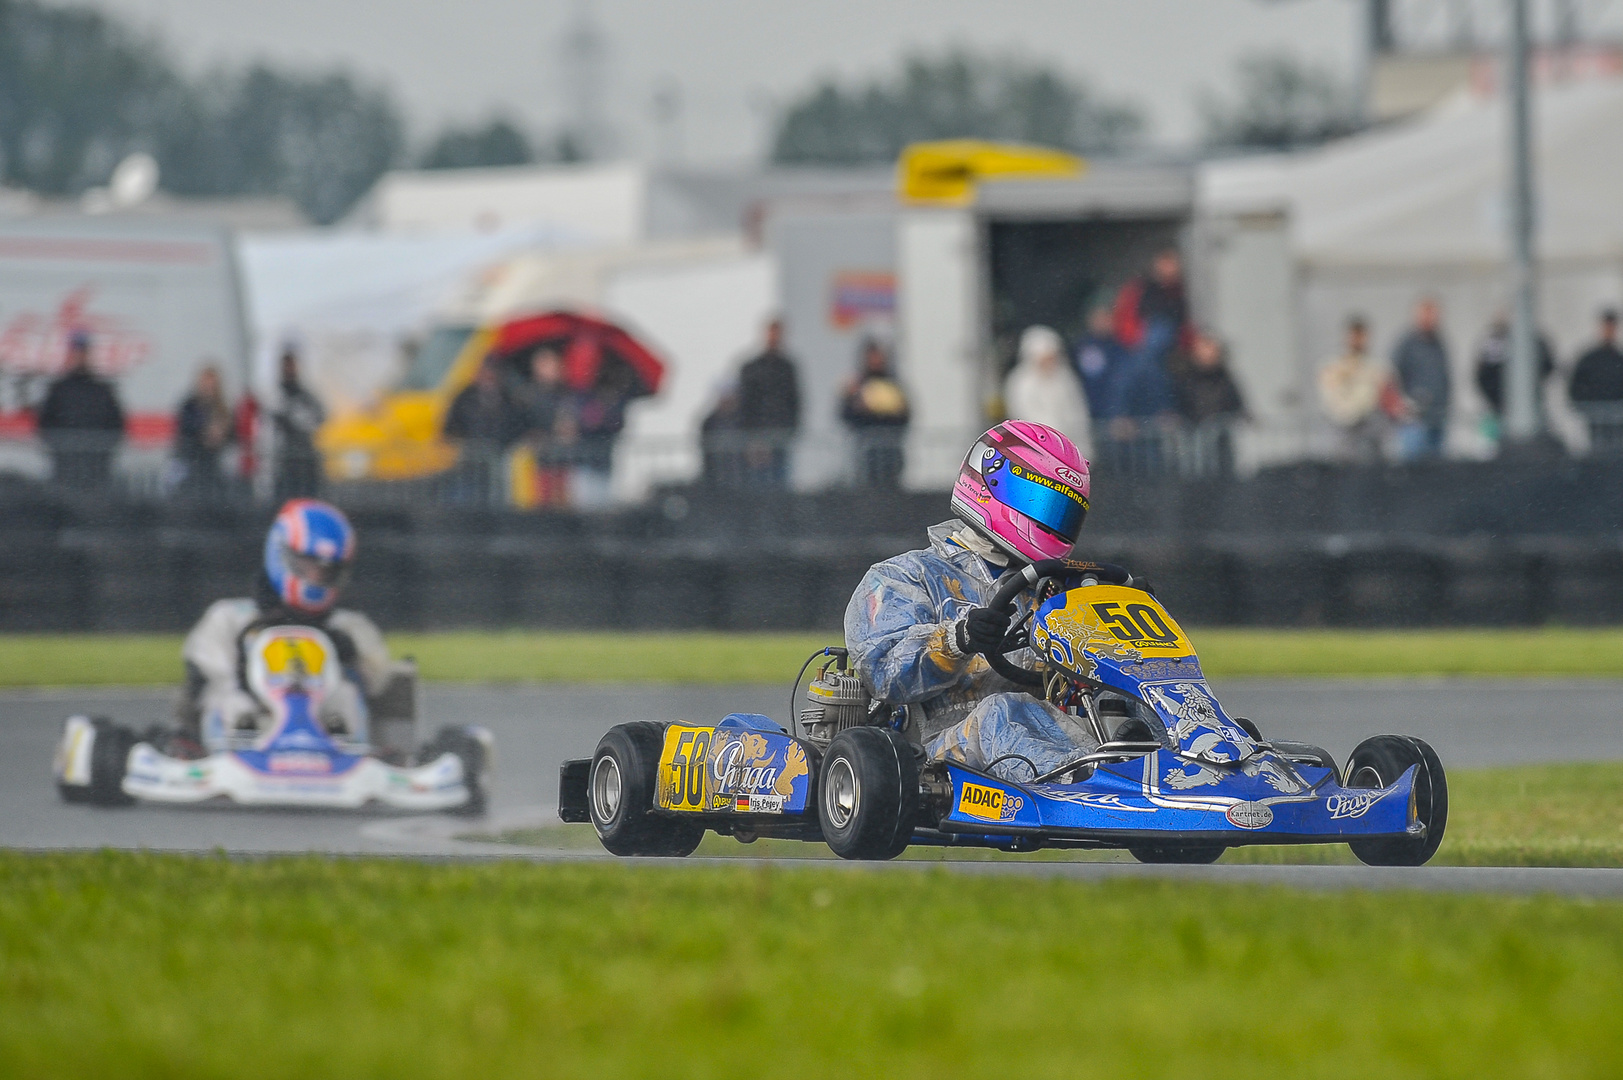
x=533 y=656
x=1536 y=815
x=135 y=965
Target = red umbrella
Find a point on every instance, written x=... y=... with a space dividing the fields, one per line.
x=588 y=346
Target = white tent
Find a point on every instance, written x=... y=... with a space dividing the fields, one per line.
x=607 y=202
x=349 y=300
x=1375 y=220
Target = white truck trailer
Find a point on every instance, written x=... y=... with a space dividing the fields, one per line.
x=159 y=298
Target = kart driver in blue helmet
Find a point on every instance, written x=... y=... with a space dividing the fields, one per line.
x=307 y=558
x=917 y=625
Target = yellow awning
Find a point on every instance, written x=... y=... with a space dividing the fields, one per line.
x=947 y=172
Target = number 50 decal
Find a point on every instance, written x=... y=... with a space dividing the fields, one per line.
x=682 y=768
x=1135 y=622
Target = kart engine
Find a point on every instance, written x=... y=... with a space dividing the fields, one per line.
x=838 y=700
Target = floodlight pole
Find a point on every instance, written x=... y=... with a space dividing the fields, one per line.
x=1522 y=420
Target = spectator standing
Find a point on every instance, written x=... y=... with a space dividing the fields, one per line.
x=81 y=420
x=483 y=420
x=1100 y=358
x=1043 y=389
x=298 y=417
x=204 y=426
x=245 y=425
x=1206 y=389
x=600 y=415
x=1210 y=402
x=1358 y=395
x=722 y=441
x=1598 y=374
x=1596 y=389
x=1491 y=361
x=1421 y=363
x=769 y=410
x=875 y=408
x=1152 y=311
x=547 y=417
x=1151 y=318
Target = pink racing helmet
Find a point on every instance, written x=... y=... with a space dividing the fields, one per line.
x=1024 y=487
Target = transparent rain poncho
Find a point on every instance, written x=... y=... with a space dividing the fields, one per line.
x=899 y=628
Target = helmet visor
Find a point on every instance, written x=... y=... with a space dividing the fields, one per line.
x=327 y=573
x=1054 y=506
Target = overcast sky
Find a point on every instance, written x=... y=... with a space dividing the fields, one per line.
x=731 y=60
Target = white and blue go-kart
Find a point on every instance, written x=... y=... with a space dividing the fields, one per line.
x=289 y=757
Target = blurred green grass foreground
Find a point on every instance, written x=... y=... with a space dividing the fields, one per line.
x=549 y=656
x=144 y=965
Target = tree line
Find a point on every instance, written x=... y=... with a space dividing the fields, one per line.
x=79 y=90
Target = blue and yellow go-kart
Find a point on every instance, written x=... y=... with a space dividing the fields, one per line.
x=1173 y=779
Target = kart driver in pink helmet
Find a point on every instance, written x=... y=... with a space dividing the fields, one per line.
x=917 y=624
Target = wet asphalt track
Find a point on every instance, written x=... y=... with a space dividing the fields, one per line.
x=1470 y=722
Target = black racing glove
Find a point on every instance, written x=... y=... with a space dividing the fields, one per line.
x=982 y=630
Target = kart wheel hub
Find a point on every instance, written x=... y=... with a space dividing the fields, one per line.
x=1365 y=777
x=841 y=793
x=606 y=789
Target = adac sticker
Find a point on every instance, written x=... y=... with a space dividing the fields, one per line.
x=988 y=803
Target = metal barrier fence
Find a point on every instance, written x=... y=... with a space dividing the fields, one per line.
x=1605 y=420
x=517 y=477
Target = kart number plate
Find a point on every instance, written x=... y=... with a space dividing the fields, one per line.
x=684 y=782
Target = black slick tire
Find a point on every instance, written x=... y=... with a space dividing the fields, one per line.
x=1248 y=726
x=868 y=793
x=109 y=760
x=620 y=796
x=1315 y=755
x=1378 y=762
x=475 y=758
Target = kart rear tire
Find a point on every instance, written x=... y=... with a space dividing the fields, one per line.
x=1189 y=854
x=1134 y=729
x=868 y=793
x=620 y=795
x=475 y=758
x=1378 y=762
x=1321 y=757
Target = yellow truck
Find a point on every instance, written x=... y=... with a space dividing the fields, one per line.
x=399 y=437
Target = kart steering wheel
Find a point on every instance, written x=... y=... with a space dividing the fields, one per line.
x=1011 y=584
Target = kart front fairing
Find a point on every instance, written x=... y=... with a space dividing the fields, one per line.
x=1207 y=780
x=1150 y=799
x=295 y=764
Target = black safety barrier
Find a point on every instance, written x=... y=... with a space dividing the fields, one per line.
x=1450 y=544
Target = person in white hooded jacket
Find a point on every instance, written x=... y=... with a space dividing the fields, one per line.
x=1043 y=389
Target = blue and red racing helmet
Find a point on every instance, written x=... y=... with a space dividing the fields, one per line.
x=307 y=554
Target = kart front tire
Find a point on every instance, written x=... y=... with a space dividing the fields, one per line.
x=620 y=796
x=109 y=760
x=474 y=754
x=868 y=793
x=1189 y=854
x=1377 y=763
